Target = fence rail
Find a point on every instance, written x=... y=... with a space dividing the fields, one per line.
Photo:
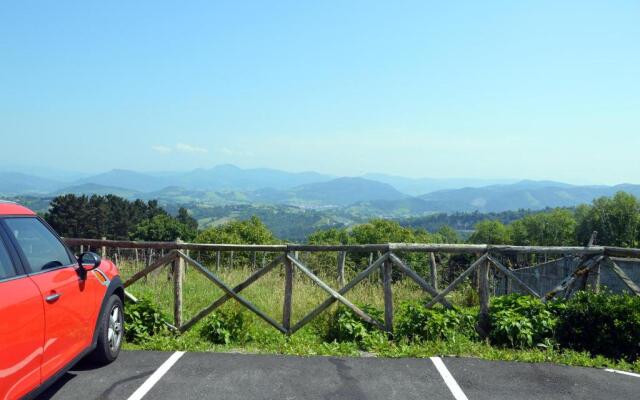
x=488 y=258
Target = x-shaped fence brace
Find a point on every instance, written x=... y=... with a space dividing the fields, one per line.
x=385 y=263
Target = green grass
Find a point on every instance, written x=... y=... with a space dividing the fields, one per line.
x=267 y=294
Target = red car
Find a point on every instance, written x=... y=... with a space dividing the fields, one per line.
x=55 y=308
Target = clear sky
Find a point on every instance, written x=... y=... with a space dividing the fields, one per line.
x=505 y=89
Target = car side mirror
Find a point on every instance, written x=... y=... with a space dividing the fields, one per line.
x=89 y=261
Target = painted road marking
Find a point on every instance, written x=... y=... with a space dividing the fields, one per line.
x=448 y=379
x=156 y=376
x=615 y=371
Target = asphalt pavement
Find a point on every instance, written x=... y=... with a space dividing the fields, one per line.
x=165 y=375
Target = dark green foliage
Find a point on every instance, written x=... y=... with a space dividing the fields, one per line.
x=251 y=231
x=346 y=326
x=617 y=220
x=522 y=321
x=142 y=320
x=416 y=322
x=602 y=323
x=162 y=228
x=224 y=327
x=116 y=218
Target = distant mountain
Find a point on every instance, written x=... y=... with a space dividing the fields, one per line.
x=89 y=189
x=12 y=183
x=219 y=178
x=125 y=179
x=419 y=186
x=230 y=177
x=342 y=192
x=522 y=195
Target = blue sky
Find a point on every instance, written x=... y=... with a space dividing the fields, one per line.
x=538 y=90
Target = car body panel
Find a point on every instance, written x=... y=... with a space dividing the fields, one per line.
x=8 y=208
x=21 y=337
x=69 y=318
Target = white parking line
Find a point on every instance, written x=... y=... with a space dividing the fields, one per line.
x=156 y=376
x=615 y=371
x=448 y=379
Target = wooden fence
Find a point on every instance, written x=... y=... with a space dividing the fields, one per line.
x=487 y=258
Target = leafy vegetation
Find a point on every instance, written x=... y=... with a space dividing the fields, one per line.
x=522 y=321
x=142 y=320
x=616 y=219
x=224 y=327
x=602 y=323
x=346 y=326
x=415 y=322
x=117 y=218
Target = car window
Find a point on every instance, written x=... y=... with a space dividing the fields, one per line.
x=42 y=248
x=6 y=266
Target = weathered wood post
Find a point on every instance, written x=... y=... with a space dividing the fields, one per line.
x=387 y=274
x=178 y=277
x=218 y=260
x=483 y=292
x=103 y=252
x=342 y=256
x=288 y=293
x=253 y=260
x=434 y=271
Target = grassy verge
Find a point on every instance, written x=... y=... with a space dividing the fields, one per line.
x=267 y=294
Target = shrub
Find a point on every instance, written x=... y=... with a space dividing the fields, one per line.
x=142 y=320
x=522 y=321
x=602 y=323
x=346 y=326
x=416 y=322
x=224 y=327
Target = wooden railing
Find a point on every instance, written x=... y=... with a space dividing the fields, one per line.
x=488 y=257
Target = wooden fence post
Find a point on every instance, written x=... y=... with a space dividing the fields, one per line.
x=218 y=260
x=483 y=292
x=178 y=275
x=434 y=271
x=253 y=260
x=288 y=293
x=103 y=253
x=387 y=272
x=342 y=256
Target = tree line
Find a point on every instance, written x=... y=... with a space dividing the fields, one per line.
x=113 y=217
x=616 y=219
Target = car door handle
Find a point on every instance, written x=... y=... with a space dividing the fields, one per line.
x=52 y=297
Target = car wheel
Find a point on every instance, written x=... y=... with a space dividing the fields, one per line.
x=110 y=333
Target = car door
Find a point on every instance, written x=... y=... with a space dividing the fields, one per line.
x=68 y=301
x=21 y=326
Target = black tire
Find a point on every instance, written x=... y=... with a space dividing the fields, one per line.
x=107 y=349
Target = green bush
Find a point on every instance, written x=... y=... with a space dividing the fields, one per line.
x=142 y=320
x=602 y=323
x=225 y=327
x=522 y=321
x=416 y=322
x=346 y=326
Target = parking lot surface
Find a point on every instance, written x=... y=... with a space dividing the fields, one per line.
x=159 y=375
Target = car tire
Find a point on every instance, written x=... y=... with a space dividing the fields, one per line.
x=110 y=332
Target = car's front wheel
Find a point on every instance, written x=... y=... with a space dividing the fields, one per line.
x=110 y=332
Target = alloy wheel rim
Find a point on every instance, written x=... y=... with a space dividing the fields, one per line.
x=114 y=335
